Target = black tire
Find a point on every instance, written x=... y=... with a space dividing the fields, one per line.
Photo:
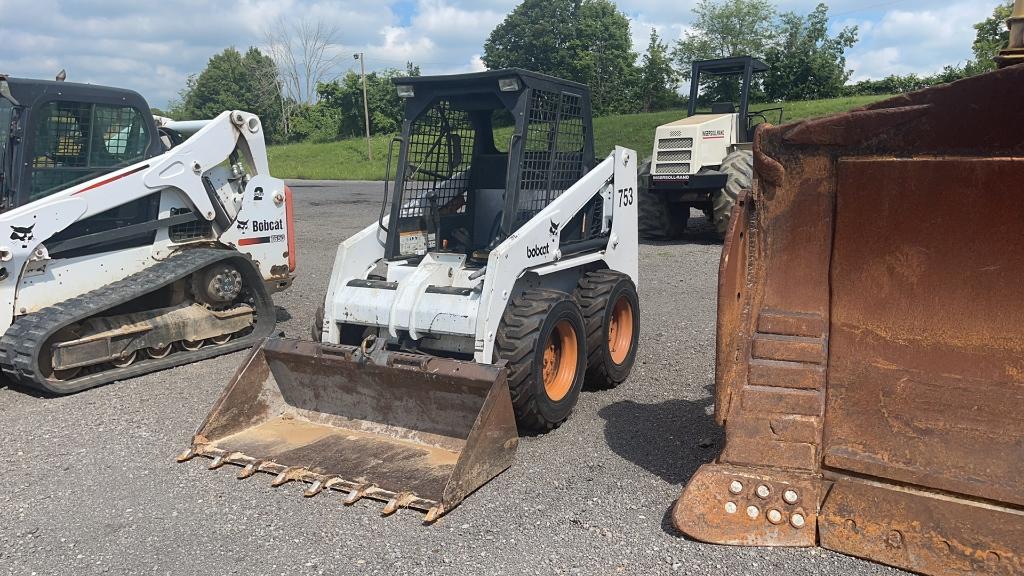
x=739 y=167
x=598 y=294
x=658 y=219
x=527 y=326
x=317 y=327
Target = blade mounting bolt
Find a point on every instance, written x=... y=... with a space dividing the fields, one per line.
x=763 y=491
x=790 y=496
x=730 y=507
x=753 y=512
x=774 y=516
x=736 y=487
x=797 y=520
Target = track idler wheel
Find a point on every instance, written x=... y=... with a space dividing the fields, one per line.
x=72 y=332
x=125 y=361
x=159 y=352
x=191 y=345
x=222 y=339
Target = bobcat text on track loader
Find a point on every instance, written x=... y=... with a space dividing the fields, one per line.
x=120 y=255
x=502 y=276
x=870 y=369
x=704 y=160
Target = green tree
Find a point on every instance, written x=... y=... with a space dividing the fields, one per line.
x=807 y=63
x=232 y=81
x=722 y=29
x=992 y=35
x=658 y=81
x=583 y=40
x=338 y=112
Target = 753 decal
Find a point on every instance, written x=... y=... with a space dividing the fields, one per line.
x=626 y=196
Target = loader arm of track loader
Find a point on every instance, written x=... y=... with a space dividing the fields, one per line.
x=870 y=345
x=264 y=206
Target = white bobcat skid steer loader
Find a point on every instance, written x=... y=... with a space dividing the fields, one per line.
x=497 y=271
x=120 y=255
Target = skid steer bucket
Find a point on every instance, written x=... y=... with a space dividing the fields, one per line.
x=870 y=368
x=411 y=430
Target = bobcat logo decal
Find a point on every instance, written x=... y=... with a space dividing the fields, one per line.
x=22 y=234
x=554 y=227
x=243 y=225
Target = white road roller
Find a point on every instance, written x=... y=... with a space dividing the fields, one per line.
x=702 y=161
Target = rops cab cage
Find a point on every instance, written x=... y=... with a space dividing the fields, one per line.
x=480 y=155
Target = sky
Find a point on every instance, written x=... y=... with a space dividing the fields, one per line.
x=152 y=46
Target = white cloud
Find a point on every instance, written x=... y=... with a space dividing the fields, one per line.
x=917 y=41
x=152 y=45
x=476 y=64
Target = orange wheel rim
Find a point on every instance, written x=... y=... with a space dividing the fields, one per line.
x=620 y=330
x=560 y=358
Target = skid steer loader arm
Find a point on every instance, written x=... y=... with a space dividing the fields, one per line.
x=412 y=430
x=870 y=372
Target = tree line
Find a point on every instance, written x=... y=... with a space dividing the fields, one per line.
x=292 y=81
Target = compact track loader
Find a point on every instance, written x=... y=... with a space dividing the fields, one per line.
x=502 y=276
x=120 y=254
x=870 y=368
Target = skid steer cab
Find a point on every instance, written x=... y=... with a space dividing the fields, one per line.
x=499 y=277
x=703 y=161
x=127 y=246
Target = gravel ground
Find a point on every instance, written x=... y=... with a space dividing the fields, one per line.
x=91 y=486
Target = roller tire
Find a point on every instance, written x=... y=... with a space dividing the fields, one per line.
x=597 y=294
x=527 y=324
x=657 y=218
x=739 y=167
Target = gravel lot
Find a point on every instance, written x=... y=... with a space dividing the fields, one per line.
x=91 y=486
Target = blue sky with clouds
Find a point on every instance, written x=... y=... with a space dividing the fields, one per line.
x=151 y=46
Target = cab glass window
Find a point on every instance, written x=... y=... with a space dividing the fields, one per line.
x=6 y=116
x=78 y=141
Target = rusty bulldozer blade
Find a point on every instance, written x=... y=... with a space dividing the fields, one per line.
x=870 y=362
x=412 y=431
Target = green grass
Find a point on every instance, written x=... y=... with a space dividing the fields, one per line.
x=346 y=159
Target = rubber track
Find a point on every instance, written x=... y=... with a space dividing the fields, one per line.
x=592 y=295
x=516 y=342
x=21 y=345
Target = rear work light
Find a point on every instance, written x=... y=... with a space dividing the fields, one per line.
x=508 y=84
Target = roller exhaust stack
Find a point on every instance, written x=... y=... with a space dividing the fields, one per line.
x=1014 y=52
x=411 y=430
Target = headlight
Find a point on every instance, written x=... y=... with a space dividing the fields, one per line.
x=406 y=91
x=508 y=84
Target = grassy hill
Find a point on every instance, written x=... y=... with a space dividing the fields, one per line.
x=346 y=159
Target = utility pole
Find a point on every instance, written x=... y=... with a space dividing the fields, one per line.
x=366 y=104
